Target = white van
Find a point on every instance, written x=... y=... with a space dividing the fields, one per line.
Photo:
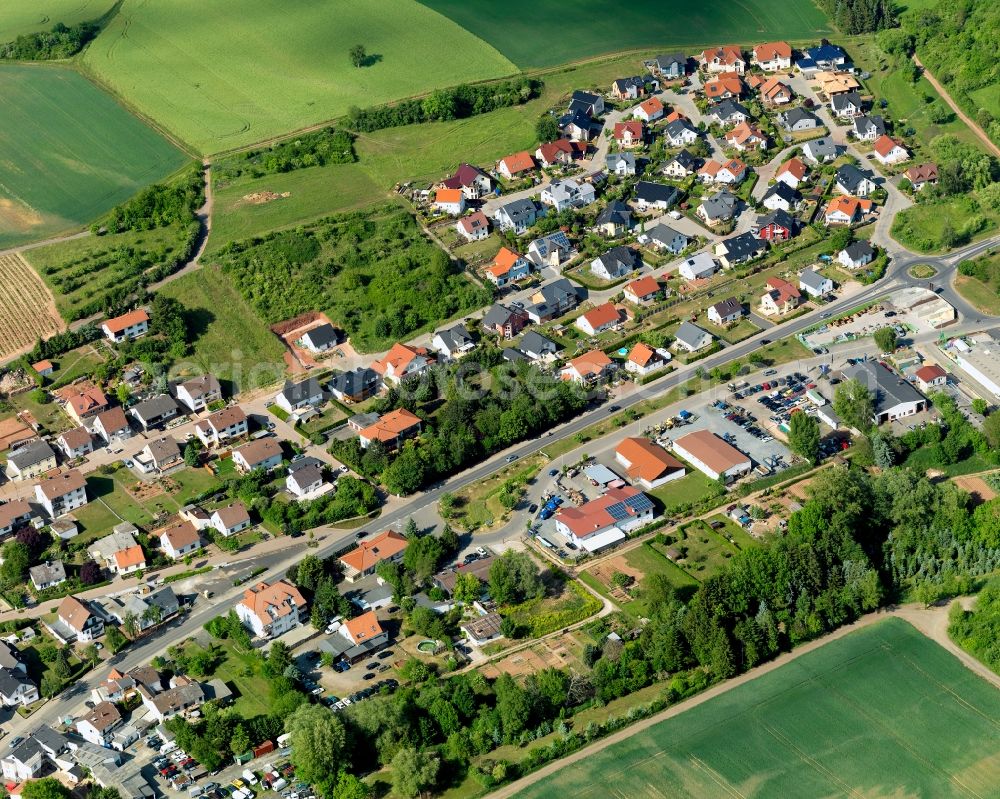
x=248 y=775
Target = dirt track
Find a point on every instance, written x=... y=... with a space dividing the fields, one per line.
x=932 y=622
x=973 y=125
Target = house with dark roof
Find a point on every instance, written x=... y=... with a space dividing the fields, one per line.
x=505 y=321
x=820 y=151
x=856 y=254
x=681 y=165
x=615 y=219
x=671 y=66
x=30 y=460
x=616 y=263
x=516 y=215
x=473 y=182
x=719 y=208
x=869 y=127
x=798 y=119
x=621 y=164
x=847 y=105
x=198 y=393
x=691 y=338
x=453 y=342
x=553 y=249
x=537 y=347
x=814 y=284
x=776 y=226
x=320 y=339
x=894 y=397
x=590 y=104
x=664 y=237
x=728 y=113
x=782 y=196
x=577 y=125
x=295 y=396
x=680 y=132
x=552 y=300
x=154 y=411
x=356 y=385
x=739 y=249
x=658 y=196
x=727 y=312
x=853 y=181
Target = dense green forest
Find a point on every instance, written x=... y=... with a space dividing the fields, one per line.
x=860 y=16
x=318 y=148
x=60 y=42
x=374 y=273
x=957 y=41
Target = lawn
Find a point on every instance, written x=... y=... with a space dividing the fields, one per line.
x=568 y=605
x=690 y=489
x=18 y=17
x=228 y=73
x=880 y=712
x=783 y=351
x=982 y=287
x=478 y=507
x=312 y=193
x=78 y=270
x=705 y=551
x=240 y=673
x=919 y=227
x=232 y=342
x=69 y=152
x=652 y=561
x=523 y=30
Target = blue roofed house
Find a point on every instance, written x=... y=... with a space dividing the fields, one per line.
x=670 y=66
x=615 y=263
x=552 y=250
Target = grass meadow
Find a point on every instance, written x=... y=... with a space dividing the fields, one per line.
x=535 y=34
x=883 y=711
x=228 y=73
x=231 y=340
x=18 y=17
x=69 y=152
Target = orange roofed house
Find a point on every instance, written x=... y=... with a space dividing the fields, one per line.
x=649 y=110
x=450 y=201
x=728 y=58
x=391 y=429
x=779 y=297
x=772 y=56
x=402 y=361
x=846 y=210
x=630 y=133
x=588 y=368
x=362 y=560
x=86 y=403
x=507 y=267
x=724 y=86
x=515 y=165
x=356 y=639
x=270 y=610
x=130 y=325
x=648 y=463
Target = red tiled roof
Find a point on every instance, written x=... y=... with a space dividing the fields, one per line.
x=119 y=323
x=369 y=554
x=363 y=627
x=443 y=196
x=518 y=162
x=644 y=286
x=793 y=166
x=770 y=51
x=391 y=426
x=648 y=461
x=605 y=314
x=930 y=372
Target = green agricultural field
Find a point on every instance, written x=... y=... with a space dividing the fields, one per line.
x=535 y=34
x=18 y=17
x=69 y=152
x=232 y=72
x=231 y=340
x=880 y=712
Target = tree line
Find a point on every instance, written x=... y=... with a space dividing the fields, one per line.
x=61 y=42
x=442 y=105
x=160 y=205
x=860 y=16
x=317 y=148
x=468 y=423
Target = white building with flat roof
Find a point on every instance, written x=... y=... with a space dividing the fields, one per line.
x=981 y=361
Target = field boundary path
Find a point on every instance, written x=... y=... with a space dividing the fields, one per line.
x=973 y=125
x=204 y=215
x=930 y=622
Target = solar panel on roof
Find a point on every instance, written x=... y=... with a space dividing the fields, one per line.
x=640 y=503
